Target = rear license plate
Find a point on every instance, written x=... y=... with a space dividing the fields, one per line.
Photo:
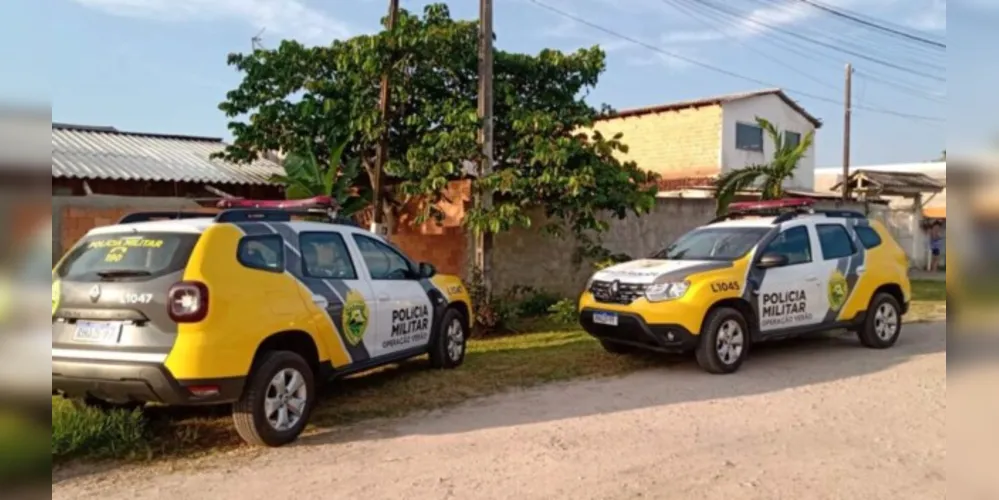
x=97 y=332
x=605 y=318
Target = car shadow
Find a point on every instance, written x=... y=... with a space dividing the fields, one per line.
x=771 y=367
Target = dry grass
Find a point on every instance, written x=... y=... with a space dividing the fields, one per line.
x=493 y=365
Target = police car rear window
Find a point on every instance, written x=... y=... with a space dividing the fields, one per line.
x=127 y=256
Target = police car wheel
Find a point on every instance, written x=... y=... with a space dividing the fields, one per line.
x=277 y=400
x=724 y=341
x=617 y=348
x=448 y=348
x=883 y=323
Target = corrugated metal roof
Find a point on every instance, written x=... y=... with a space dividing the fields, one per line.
x=84 y=152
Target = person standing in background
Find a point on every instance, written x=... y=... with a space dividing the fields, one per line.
x=936 y=245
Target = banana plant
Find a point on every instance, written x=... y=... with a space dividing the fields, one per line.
x=305 y=177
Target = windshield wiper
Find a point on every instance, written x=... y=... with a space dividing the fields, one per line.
x=123 y=273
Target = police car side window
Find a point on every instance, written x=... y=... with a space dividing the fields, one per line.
x=325 y=255
x=836 y=242
x=794 y=244
x=383 y=262
x=868 y=237
x=265 y=253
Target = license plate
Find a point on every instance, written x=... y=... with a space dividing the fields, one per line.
x=605 y=318
x=97 y=332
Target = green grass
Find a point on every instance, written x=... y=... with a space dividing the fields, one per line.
x=493 y=365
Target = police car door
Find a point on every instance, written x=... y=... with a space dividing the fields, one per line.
x=788 y=295
x=405 y=314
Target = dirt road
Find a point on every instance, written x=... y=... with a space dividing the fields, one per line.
x=818 y=419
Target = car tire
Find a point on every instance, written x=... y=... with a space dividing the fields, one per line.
x=883 y=323
x=273 y=411
x=449 y=345
x=617 y=348
x=724 y=341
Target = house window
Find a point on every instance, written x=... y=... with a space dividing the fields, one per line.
x=792 y=139
x=748 y=137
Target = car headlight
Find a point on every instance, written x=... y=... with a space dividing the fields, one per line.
x=659 y=292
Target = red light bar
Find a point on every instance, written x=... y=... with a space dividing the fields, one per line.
x=323 y=203
x=744 y=206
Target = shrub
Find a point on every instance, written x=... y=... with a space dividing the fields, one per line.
x=529 y=301
x=81 y=430
x=491 y=313
x=611 y=260
x=564 y=311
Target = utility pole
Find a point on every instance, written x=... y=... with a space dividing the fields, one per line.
x=484 y=200
x=381 y=155
x=846 y=130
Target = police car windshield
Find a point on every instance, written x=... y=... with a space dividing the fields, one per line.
x=713 y=243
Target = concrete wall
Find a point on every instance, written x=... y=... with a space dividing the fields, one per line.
x=530 y=257
x=683 y=143
x=783 y=117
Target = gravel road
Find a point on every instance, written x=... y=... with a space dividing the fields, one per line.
x=813 y=419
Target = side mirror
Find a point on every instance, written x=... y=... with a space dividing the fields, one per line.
x=772 y=260
x=427 y=270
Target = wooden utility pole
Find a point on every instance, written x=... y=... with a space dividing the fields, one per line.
x=846 y=130
x=484 y=200
x=378 y=199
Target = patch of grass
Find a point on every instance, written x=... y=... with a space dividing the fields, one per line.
x=79 y=430
x=929 y=290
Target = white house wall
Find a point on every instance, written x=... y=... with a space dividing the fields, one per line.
x=784 y=117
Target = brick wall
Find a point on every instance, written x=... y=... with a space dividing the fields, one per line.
x=682 y=143
x=444 y=245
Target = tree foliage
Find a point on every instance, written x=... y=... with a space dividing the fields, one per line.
x=297 y=98
x=769 y=177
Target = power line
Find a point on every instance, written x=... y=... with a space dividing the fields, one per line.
x=791 y=67
x=818 y=42
x=870 y=24
x=716 y=69
x=913 y=91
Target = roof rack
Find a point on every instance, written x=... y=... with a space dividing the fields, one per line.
x=243 y=210
x=784 y=210
x=151 y=216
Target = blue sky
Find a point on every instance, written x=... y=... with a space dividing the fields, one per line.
x=159 y=65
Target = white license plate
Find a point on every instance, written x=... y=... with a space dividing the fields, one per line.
x=97 y=332
x=605 y=318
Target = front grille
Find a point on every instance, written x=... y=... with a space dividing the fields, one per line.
x=626 y=292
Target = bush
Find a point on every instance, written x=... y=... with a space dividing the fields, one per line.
x=81 y=430
x=491 y=313
x=564 y=311
x=529 y=301
x=611 y=260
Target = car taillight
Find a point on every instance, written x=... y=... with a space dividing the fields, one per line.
x=187 y=302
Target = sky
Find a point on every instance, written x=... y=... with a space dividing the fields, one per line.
x=159 y=65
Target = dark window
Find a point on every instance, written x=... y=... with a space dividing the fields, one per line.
x=794 y=244
x=129 y=256
x=792 y=139
x=868 y=236
x=748 y=137
x=325 y=255
x=383 y=261
x=262 y=252
x=835 y=241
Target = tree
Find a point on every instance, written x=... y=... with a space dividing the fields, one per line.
x=299 y=98
x=773 y=174
x=305 y=177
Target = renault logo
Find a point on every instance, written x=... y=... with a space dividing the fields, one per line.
x=614 y=287
x=95 y=293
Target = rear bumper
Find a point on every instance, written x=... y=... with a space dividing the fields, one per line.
x=634 y=331
x=126 y=381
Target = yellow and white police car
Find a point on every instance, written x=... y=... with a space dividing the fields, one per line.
x=247 y=307
x=764 y=271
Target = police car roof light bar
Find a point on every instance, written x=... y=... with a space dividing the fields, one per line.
x=151 y=216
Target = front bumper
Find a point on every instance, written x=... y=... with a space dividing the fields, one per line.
x=123 y=382
x=633 y=330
